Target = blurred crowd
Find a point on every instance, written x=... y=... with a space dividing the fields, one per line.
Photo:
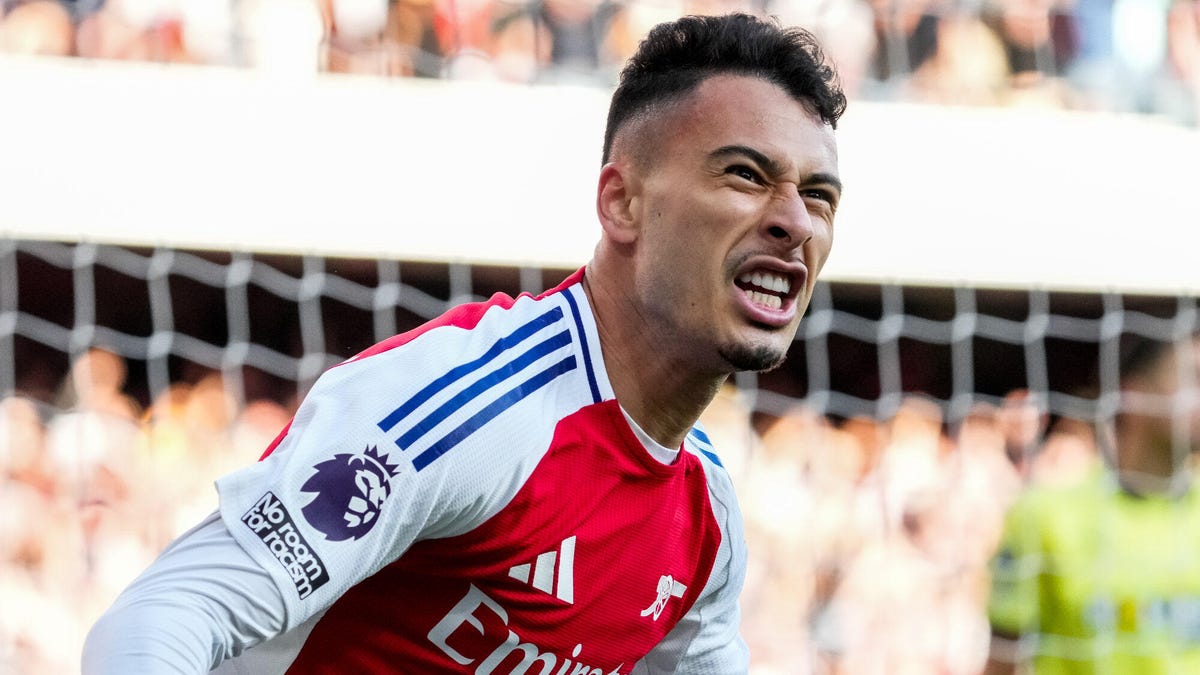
x=93 y=486
x=1140 y=56
x=869 y=539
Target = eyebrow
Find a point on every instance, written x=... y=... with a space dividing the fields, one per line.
x=821 y=178
x=772 y=167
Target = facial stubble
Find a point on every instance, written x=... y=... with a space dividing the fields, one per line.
x=758 y=359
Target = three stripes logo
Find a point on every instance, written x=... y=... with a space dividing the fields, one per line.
x=552 y=572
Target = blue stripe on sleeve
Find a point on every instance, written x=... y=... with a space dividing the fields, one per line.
x=705 y=446
x=583 y=344
x=493 y=409
x=453 y=375
x=496 y=377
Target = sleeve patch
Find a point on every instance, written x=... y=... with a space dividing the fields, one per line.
x=270 y=521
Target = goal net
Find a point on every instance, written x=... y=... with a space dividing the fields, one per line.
x=898 y=430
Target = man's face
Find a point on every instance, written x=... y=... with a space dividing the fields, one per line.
x=1178 y=376
x=1169 y=399
x=735 y=212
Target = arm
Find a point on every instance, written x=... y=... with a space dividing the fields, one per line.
x=202 y=601
x=333 y=501
x=234 y=581
x=1013 y=604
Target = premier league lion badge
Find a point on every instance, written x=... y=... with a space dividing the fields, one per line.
x=350 y=490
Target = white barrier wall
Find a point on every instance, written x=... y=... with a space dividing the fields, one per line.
x=339 y=165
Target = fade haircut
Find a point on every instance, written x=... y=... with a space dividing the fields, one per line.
x=676 y=57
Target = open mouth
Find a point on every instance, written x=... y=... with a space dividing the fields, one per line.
x=766 y=289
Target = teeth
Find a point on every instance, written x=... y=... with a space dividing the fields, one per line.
x=767 y=281
x=765 y=299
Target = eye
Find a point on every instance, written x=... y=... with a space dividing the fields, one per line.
x=744 y=172
x=823 y=195
x=820 y=195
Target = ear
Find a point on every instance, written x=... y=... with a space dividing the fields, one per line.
x=617 y=201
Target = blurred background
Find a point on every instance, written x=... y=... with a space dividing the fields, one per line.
x=205 y=203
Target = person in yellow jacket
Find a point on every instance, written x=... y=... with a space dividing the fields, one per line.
x=1103 y=577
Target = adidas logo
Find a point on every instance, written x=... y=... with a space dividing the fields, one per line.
x=552 y=572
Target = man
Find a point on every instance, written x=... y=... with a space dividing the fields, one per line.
x=1103 y=576
x=470 y=497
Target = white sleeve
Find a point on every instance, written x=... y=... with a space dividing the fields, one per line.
x=202 y=601
x=417 y=441
x=707 y=640
x=414 y=442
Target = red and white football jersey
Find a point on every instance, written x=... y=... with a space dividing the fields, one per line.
x=469 y=497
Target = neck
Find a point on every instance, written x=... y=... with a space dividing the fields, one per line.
x=1146 y=467
x=661 y=392
x=1146 y=485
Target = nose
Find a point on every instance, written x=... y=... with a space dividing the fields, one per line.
x=788 y=223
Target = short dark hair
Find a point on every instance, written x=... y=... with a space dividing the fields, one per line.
x=1139 y=355
x=676 y=57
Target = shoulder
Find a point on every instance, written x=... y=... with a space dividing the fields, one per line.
x=720 y=484
x=521 y=317
x=1067 y=501
x=701 y=445
x=472 y=389
x=423 y=436
x=1056 y=519
x=480 y=357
